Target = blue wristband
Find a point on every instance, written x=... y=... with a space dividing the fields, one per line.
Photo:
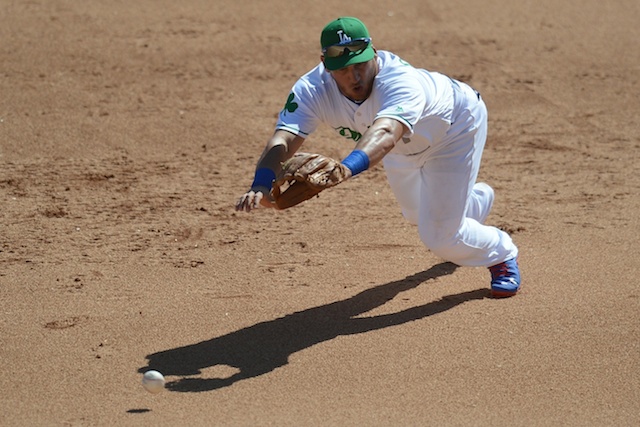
x=264 y=178
x=357 y=161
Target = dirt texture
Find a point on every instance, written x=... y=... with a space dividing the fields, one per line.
x=129 y=129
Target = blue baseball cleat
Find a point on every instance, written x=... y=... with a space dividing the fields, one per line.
x=505 y=279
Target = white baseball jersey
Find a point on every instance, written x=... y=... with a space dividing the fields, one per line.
x=421 y=100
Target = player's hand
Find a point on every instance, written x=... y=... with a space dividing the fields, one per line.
x=255 y=198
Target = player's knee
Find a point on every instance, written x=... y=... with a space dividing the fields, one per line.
x=444 y=250
x=444 y=245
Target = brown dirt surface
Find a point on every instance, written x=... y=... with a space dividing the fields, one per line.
x=129 y=129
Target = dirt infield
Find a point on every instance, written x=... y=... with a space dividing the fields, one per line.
x=129 y=129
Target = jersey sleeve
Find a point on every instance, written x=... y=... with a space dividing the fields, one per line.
x=299 y=114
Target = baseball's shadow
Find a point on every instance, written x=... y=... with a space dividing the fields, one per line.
x=261 y=348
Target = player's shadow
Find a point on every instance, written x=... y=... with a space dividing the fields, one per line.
x=261 y=348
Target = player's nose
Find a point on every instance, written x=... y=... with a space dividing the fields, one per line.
x=354 y=74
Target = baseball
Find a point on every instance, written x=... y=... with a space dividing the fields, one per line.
x=153 y=381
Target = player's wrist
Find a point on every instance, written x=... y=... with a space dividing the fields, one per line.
x=264 y=177
x=357 y=161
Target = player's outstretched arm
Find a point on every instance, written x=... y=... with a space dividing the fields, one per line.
x=280 y=147
x=380 y=138
x=376 y=142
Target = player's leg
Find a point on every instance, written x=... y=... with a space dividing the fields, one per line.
x=452 y=205
x=480 y=202
x=444 y=226
x=404 y=175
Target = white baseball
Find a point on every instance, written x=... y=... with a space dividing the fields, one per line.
x=153 y=381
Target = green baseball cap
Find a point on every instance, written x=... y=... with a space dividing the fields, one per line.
x=345 y=41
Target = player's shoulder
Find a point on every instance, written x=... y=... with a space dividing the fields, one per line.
x=395 y=69
x=390 y=63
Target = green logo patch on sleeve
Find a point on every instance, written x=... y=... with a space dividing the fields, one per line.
x=290 y=106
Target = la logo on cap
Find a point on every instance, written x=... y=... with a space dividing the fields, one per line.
x=343 y=37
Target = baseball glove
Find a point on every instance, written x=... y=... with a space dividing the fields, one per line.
x=305 y=175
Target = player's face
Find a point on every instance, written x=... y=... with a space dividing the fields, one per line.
x=356 y=81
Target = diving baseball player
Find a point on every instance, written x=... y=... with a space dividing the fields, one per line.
x=427 y=129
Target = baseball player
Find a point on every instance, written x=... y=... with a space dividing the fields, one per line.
x=427 y=129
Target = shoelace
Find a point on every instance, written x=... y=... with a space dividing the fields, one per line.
x=501 y=270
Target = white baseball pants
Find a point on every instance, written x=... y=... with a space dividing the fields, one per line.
x=437 y=190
